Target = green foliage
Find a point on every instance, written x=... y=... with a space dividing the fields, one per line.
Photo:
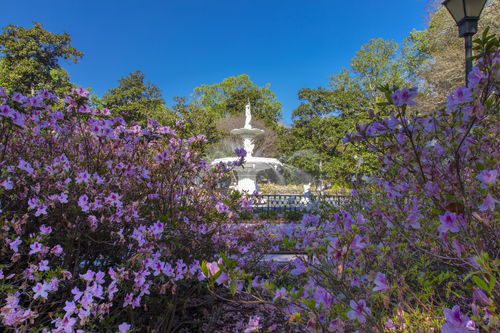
x=136 y=100
x=268 y=215
x=293 y=215
x=229 y=98
x=245 y=215
x=30 y=60
x=326 y=115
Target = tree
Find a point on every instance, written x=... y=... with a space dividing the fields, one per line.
x=325 y=115
x=29 y=59
x=196 y=119
x=446 y=71
x=134 y=99
x=228 y=98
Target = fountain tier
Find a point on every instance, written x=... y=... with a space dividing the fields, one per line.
x=247 y=174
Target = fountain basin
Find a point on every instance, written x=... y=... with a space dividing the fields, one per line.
x=247 y=174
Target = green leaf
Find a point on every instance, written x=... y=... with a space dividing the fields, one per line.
x=217 y=275
x=232 y=287
x=204 y=268
x=493 y=281
x=286 y=242
x=480 y=283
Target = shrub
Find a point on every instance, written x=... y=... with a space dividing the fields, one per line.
x=293 y=215
x=104 y=226
x=417 y=248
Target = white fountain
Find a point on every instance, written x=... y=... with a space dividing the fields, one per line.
x=247 y=174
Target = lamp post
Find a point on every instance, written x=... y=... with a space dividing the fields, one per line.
x=321 y=176
x=466 y=14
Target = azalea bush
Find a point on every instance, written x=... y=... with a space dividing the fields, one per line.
x=416 y=249
x=102 y=226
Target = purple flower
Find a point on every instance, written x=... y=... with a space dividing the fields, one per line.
x=124 y=328
x=45 y=230
x=356 y=243
x=404 y=96
x=455 y=322
x=240 y=152
x=23 y=165
x=481 y=297
x=43 y=265
x=40 y=290
x=448 y=222
x=36 y=247
x=42 y=209
x=221 y=208
x=301 y=268
x=487 y=178
x=82 y=92
x=475 y=77
x=253 y=325
x=83 y=202
x=358 y=311
x=460 y=96
x=13 y=245
x=489 y=203
x=381 y=282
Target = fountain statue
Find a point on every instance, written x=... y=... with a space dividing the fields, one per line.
x=247 y=174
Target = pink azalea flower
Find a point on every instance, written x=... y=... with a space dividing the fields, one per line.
x=83 y=202
x=487 y=178
x=448 y=222
x=14 y=244
x=489 y=203
x=404 y=96
x=456 y=322
x=7 y=184
x=221 y=208
x=99 y=277
x=36 y=247
x=67 y=324
x=77 y=293
x=124 y=328
x=459 y=96
x=128 y=299
x=392 y=123
x=457 y=246
x=40 y=290
x=23 y=165
x=81 y=92
x=381 y=282
x=42 y=209
x=83 y=177
x=359 y=310
x=43 y=265
x=475 y=77
x=57 y=250
x=222 y=278
x=70 y=308
x=356 y=243
x=63 y=198
x=253 y=325
x=45 y=230
x=89 y=276
x=301 y=268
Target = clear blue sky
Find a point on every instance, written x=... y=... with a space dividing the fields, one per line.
x=182 y=44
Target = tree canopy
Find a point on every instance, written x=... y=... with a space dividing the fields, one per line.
x=29 y=59
x=134 y=99
x=229 y=97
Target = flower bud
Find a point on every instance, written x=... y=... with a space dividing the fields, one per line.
x=479 y=295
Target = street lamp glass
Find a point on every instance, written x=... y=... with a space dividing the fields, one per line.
x=474 y=8
x=461 y=9
x=456 y=9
